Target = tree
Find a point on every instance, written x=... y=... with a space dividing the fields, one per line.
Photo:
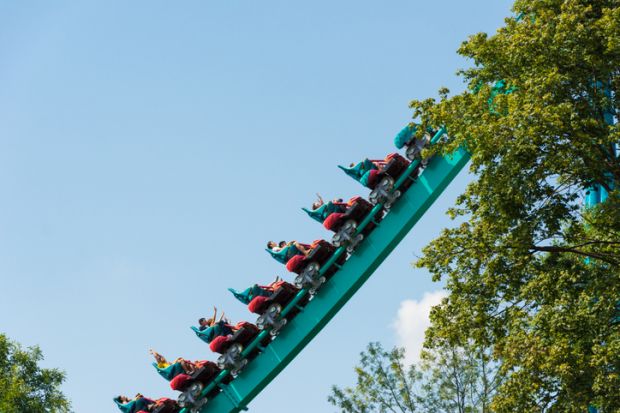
x=459 y=379
x=448 y=380
x=384 y=384
x=530 y=273
x=24 y=386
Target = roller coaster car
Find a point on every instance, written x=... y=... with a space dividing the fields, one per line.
x=230 y=347
x=345 y=224
x=244 y=334
x=357 y=209
x=283 y=293
x=415 y=146
x=165 y=405
x=382 y=181
x=269 y=308
x=308 y=267
x=407 y=139
x=320 y=251
x=205 y=372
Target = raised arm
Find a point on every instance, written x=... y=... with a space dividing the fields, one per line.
x=214 y=315
x=158 y=357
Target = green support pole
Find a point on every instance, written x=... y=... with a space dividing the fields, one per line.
x=597 y=194
x=338 y=290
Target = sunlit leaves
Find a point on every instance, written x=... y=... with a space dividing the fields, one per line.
x=531 y=272
x=25 y=387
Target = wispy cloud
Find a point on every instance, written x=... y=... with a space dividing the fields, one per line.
x=412 y=321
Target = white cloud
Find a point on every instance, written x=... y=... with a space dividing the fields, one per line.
x=411 y=323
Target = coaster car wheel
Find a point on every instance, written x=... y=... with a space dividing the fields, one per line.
x=351 y=247
x=313 y=290
x=415 y=147
x=277 y=327
x=270 y=318
x=345 y=234
x=183 y=401
x=392 y=198
x=308 y=276
x=235 y=371
x=191 y=400
x=382 y=191
x=195 y=389
x=232 y=359
x=412 y=152
x=337 y=240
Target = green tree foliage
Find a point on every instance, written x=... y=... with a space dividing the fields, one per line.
x=458 y=379
x=448 y=380
x=384 y=384
x=531 y=273
x=24 y=386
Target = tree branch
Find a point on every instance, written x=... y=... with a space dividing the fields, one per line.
x=557 y=249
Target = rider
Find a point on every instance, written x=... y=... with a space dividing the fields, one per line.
x=246 y=296
x=362 y=171
x=276 y=247
x=171 y=370
x=284 y=251
x=321 y=209
x=138 y=403
x=210 y=329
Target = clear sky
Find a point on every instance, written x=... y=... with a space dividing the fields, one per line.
x=149 y=149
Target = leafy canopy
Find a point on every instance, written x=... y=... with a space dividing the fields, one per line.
x=530 y=272
x=447 y=380
x=24 y=386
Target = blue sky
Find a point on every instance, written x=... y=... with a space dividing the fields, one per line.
x=149 y=149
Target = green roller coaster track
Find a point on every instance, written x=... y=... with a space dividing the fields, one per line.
x=409 y=208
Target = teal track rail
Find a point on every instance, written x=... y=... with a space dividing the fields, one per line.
x=334 y=294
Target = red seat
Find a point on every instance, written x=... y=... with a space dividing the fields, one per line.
x=248 y=327
x=218 y=345
x=333 y=221
x=397 y=165
x=296 y=263
x=180 y=382
x=258 y=304
x=165 y=405
x=373 y=178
